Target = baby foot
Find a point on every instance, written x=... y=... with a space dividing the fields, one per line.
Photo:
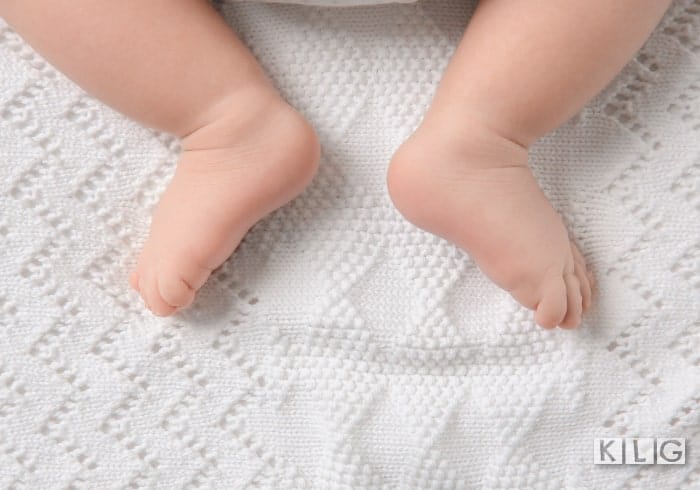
x=476 y=190
x=255 y=156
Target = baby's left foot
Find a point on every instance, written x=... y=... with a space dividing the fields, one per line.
x=474 y=188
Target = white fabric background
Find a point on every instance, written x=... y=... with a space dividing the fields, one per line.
x=342 y=347
x=333 y=3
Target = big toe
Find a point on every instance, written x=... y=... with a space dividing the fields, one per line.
x=574 y=302
x=174 y=289
x=551 y=309
x=148 y=286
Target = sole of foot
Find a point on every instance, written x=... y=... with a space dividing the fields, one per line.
x=255 y=156
x=474 y=188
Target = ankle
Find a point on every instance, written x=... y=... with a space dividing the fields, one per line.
x=446 y=152
x=242 y=110
x=281 y=143
x=454 y=147
x=477 y=136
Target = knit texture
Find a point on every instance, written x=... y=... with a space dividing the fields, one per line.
x=341 y=347
x=333 y=3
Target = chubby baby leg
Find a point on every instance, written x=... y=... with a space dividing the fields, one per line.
x=176 y=66
x=522 y=69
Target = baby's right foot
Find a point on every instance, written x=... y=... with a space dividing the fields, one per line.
x=255 y=155
x=473 y=187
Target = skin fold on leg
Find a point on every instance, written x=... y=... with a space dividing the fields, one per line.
x=522 y=68
x=176 y=66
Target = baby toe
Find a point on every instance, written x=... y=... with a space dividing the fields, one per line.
x=582 y=271
x=584 y=281
x=591 y=280
x=551 y=308
x=574 y=302
x=174 y=290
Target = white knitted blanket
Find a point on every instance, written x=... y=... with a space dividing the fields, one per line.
x=340 y=346
x=330 y=3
